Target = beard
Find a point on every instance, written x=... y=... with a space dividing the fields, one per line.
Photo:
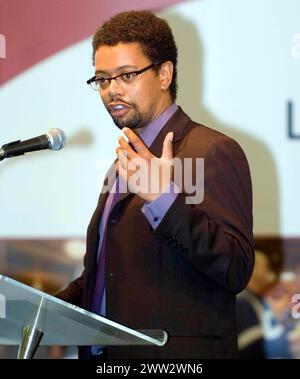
x=134 y=121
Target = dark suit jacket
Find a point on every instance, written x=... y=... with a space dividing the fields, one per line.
x=183 y=276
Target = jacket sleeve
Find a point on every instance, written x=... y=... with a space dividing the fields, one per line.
x=215 y=236
x=73 y=293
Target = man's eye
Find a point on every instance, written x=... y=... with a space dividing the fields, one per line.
x=128 y=77
x=103 y=80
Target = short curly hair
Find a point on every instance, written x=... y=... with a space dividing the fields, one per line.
x=151 y=32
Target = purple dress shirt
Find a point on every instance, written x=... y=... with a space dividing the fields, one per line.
x=154 y=211
x=157 y=208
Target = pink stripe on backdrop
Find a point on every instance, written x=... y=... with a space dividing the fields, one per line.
x=35 y=29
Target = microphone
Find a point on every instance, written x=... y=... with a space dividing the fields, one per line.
x=53 y=140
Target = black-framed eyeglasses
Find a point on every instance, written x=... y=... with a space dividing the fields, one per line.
x=124 y=79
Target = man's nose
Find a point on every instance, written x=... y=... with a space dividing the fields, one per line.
x=115 y=88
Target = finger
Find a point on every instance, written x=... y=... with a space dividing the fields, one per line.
x=122 y=154
x=167 y=151
x=137 y=143
x=124 y=145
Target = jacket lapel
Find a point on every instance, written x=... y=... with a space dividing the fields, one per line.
x=106 y=188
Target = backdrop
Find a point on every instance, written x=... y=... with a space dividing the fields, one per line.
x=239 y=64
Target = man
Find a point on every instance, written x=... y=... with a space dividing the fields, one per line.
x=251 y=307
x=170 y=262
x=265 y=323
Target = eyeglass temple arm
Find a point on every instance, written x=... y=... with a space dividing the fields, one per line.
x=91 y=80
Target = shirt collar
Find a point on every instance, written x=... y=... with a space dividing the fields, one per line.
x=152 y=130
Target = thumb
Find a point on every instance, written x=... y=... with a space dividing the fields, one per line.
x=167 y=150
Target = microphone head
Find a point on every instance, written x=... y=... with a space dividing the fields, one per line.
x=57 y=139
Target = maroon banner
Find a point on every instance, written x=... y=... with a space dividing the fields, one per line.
x=35 y=29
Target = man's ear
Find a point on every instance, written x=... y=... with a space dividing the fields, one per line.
x=166 y=74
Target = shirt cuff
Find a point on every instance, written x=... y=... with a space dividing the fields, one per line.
x=155 y=210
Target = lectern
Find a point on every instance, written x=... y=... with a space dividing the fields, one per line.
x=29 y=318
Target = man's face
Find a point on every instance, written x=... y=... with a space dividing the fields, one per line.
x=134 y=105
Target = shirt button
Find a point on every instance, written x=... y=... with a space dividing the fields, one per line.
x=155 y=219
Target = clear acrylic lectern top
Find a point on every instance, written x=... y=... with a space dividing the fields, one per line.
x=61 y=323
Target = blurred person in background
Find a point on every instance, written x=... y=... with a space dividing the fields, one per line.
x=251 y=307
x=266 y=327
